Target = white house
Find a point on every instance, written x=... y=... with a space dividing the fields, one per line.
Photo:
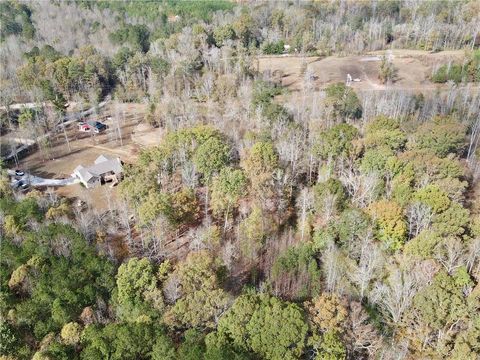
x=104 y=169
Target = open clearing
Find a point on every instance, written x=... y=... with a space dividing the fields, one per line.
x=414 y=69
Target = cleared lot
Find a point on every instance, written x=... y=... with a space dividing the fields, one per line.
x=414 y=69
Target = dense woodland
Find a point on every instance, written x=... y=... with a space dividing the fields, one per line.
x=325 y=224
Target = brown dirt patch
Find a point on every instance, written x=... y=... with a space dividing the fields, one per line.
x=414 y=69
x=145 y=136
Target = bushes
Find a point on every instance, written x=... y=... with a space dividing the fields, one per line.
x=271 y=48
x=299 y=263
x=222 y=34
x=15 y=19
x=265 y=325
x=455 y=73
x=264 y=92
x=344 y=101
x=388 y=72
x=59 y=275
x=458 y=73
x=138 y=36
x=441 y=136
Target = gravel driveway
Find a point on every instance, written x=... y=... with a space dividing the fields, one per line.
x=38 y=181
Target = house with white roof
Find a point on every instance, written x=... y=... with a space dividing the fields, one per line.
x=104 y=169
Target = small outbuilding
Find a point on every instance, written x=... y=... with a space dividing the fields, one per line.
x=104 y=169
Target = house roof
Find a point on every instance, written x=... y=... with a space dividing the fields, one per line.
x=103 y=164
x=106 y=165
x=103 y=158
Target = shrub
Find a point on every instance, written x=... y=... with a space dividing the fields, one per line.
x=271 y=48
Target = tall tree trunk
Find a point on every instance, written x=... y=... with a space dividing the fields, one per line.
x=66 y=138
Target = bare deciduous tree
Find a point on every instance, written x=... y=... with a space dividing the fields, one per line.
x=369 y=264
x=395 y=294
x=451 y=254
x=305 y=205
x=361 y=187
x=362 y=334
x=419 y=218
x=333 y=268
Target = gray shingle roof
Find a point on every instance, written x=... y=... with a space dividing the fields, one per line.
x=103 y=165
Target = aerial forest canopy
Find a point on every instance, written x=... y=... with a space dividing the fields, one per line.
x=278 y=213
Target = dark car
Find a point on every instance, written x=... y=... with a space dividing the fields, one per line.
x=97 y=126
x=21 y=185
x=19 y=174
x=17 y=184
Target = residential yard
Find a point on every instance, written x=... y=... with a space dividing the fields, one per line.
x=59 y=159
x=98 y=198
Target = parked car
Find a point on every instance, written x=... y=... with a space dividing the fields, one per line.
x=21 y=185
x=95 y=126
x=84 y=127
x=19 y=174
